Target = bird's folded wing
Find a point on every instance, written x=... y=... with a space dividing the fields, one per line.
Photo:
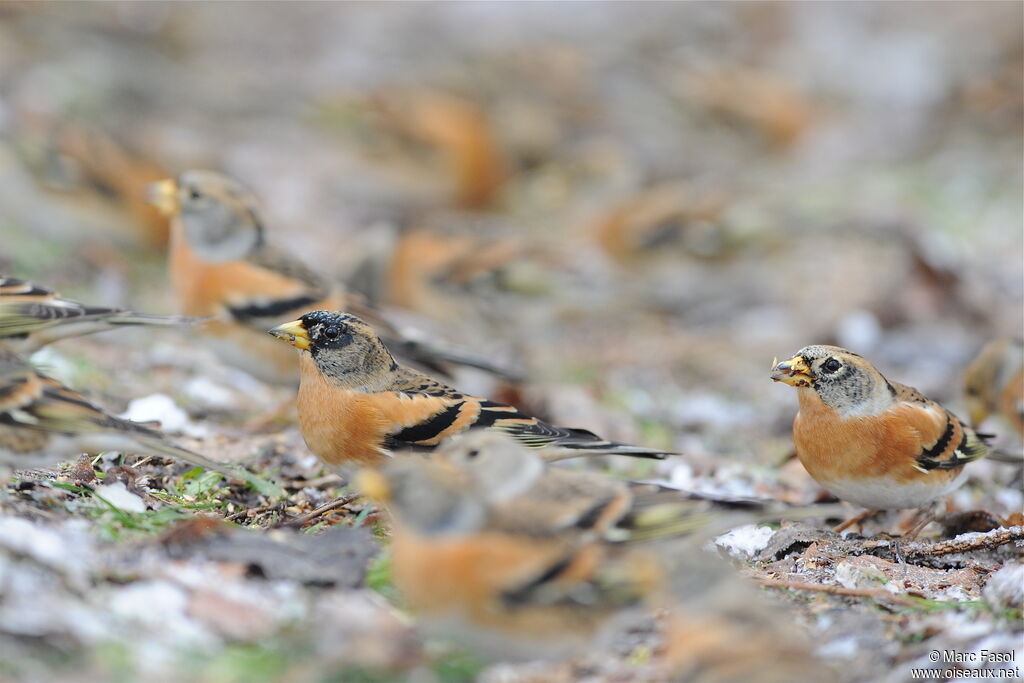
x=586 y=578
x=943 y=442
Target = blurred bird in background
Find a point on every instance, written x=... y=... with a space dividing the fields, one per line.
x=221 y=264
x=32 y=316
x=43 y=421
x=994 y=383
x=528 y=559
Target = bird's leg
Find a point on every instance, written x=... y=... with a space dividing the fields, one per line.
x=925 y=516
x=856 y=519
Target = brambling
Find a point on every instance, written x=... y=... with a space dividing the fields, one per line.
x=221 y=265
x=357 y=404
x=115 y=167
x=873 y=442
x=515 y=590
x=43 y=421
x=526 y=494
x=751 y=99
x=672 y=213
x=429 y=267
x=994 y=383
x=489 y=537
x=32 y=316
x=458 y=131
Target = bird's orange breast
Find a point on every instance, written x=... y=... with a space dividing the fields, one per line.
x=468 y=577
x=342 y=426
x=207 y=288
x=833 y=448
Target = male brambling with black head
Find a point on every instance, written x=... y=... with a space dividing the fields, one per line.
x=357 y=404
x=221 y=265
x=994 y=383
x=43 y=421
x=873 y=442
x=32 y=316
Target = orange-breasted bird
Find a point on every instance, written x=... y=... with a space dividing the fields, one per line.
x=32 y=316
x=873 y=442
x=492 y=542
x=357 y=404
x=516 y=588
x=221 y=265
x=43 y=421
x=994 y=383
x=526 y=494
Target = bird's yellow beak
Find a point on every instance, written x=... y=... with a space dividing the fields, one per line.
x=294 y=333
x=373 y=484
x=795 y=372
x=164 y=196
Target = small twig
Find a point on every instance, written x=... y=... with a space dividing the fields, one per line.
x=984 y=541
x=302 y=520
x=143 y=461
x=877 y=593
x=251 y=512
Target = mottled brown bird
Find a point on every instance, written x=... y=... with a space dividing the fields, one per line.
x=529 y=558
x=357 y=404
x=458 y=131
x=663 y=221
x=873 y=442
x=32 y=316
x=514 y=590
x=221 y=265
x=42 y=422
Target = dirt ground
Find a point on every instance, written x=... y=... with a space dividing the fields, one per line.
x=636 y=206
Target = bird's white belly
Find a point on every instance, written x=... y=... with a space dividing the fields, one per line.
x=884 y=494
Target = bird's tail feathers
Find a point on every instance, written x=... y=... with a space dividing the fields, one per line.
x=133 y=318
x=1011 y=457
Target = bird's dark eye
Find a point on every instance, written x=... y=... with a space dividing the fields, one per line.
x=332 y=332
x=831 y=365
x=194 y=194
x=473 y=453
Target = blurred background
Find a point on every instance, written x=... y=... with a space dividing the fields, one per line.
x=640 y=204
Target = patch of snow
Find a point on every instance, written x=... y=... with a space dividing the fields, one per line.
x=746 y=541
x=162 y=408
x=120 y=497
